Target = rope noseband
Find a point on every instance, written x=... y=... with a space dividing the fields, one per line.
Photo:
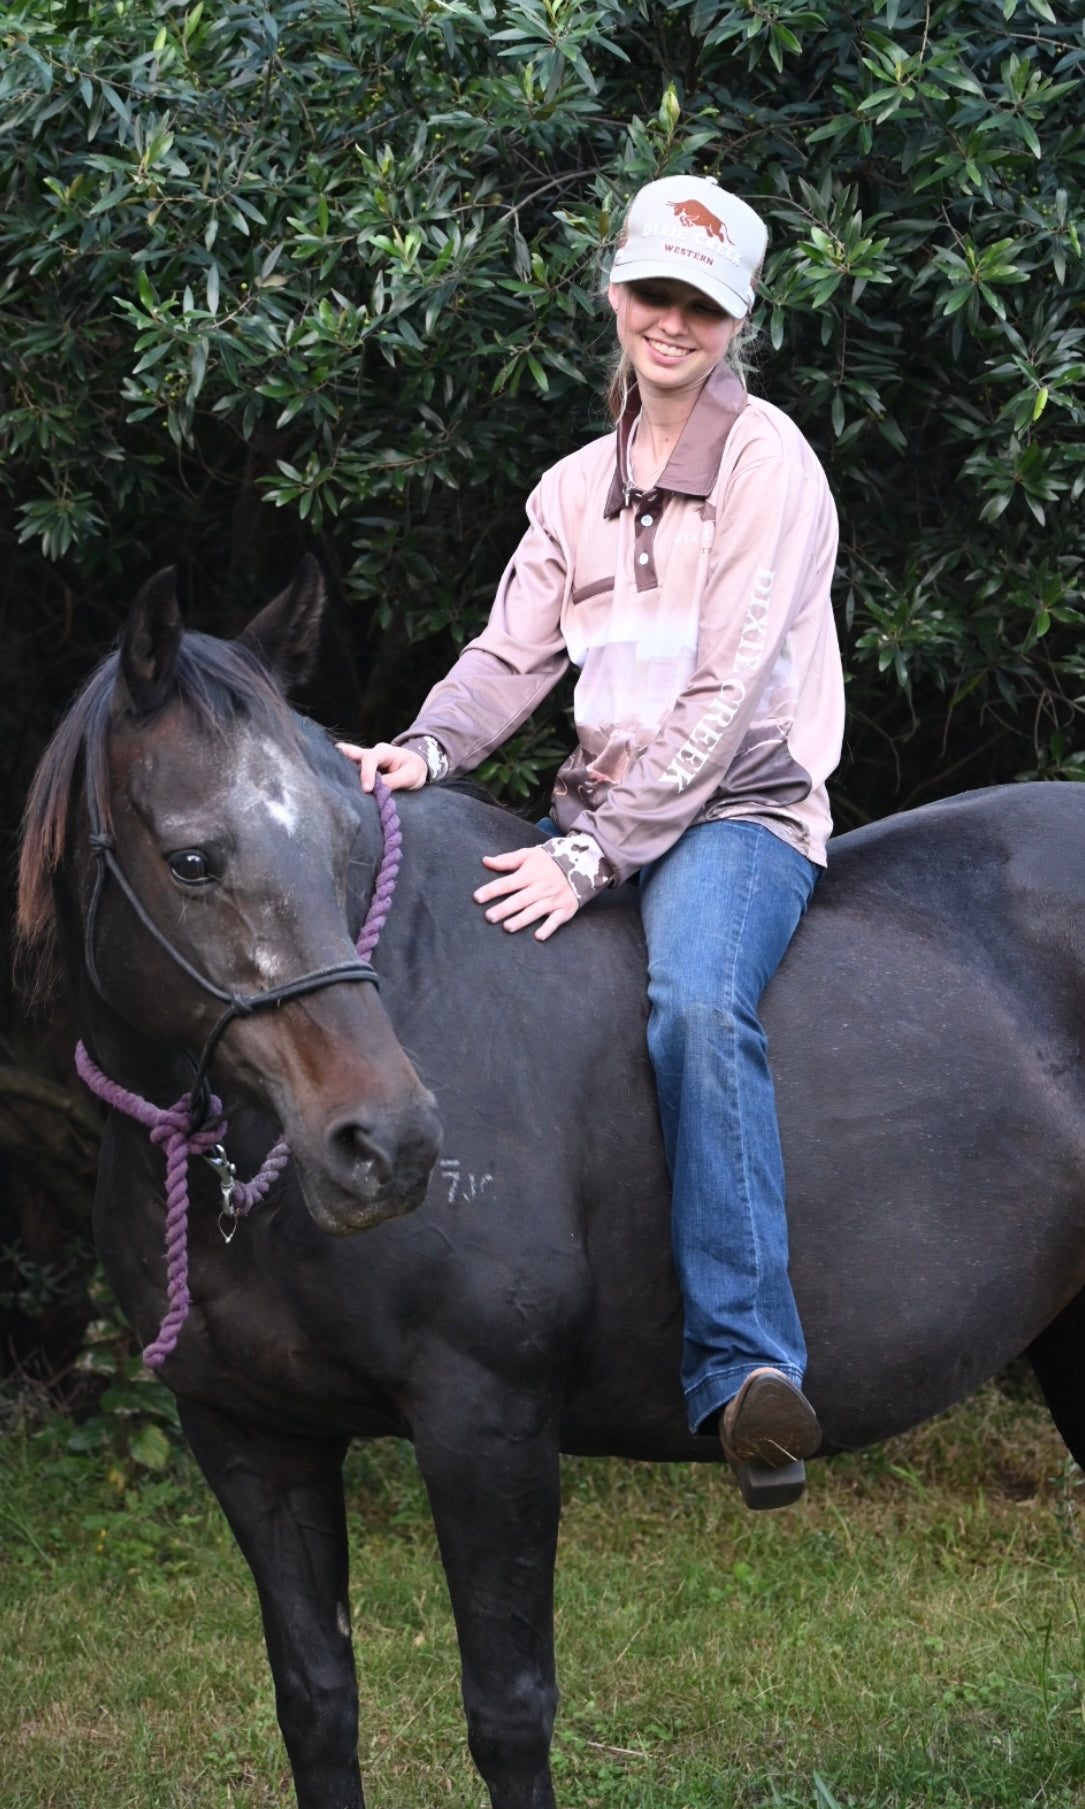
x=195 y=1124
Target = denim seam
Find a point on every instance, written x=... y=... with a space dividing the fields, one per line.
x=732 y=1063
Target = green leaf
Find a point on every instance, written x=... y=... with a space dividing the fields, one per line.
x=957 y=299
x=90 y=1436
x=150 y=1447
x=154 y=356
x=115 y=101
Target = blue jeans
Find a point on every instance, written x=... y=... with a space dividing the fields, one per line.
x=719 y=910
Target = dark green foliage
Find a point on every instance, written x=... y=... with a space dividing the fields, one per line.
x=329 y=275
x=345 y=261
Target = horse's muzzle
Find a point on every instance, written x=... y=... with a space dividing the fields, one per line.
x=372 y=1165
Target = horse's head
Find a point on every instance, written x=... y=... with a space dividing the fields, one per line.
x=206 y=864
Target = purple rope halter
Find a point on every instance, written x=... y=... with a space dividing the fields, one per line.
x=172 y=1126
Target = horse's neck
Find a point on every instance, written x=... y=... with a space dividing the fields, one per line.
x=138 y=1063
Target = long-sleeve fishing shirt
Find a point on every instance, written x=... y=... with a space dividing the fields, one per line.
x=699 y=617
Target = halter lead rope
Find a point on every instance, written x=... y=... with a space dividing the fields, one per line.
x=196 y=1126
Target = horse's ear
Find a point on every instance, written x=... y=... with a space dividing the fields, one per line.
x=152 y=636
x=285 y=635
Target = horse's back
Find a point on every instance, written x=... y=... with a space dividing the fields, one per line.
x=1018 y=844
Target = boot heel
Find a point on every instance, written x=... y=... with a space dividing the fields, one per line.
x=763 y=1487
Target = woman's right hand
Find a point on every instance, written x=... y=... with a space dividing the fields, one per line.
x=401 y=768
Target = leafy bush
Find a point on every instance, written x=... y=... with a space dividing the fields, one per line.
x=344 y=262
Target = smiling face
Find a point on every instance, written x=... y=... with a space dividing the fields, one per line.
x=672 y=334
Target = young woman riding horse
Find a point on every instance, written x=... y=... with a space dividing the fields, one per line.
x=683 y=564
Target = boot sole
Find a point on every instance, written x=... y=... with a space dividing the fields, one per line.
x=769 y=1424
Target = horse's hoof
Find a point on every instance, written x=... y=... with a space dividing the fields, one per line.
x=765 y=1487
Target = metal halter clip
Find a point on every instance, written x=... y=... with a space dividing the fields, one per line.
x=227 y=1179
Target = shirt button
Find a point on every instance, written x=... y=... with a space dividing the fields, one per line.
x=646 y=521
x=642 y=558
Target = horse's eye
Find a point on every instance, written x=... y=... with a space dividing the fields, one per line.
x=190 y=866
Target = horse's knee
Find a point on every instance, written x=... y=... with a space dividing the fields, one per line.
x=509 y=1731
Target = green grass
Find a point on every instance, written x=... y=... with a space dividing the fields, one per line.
x=908 y=1635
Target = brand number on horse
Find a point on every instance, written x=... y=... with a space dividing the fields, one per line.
x=460 y=1188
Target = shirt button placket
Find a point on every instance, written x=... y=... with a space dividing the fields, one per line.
x=644 y=541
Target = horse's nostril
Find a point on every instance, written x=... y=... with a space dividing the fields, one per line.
x=357 y=1146
x=382 y=1163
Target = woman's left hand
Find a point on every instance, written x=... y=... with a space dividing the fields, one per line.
x=532 y=886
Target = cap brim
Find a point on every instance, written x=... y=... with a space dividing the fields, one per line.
x=646 y=268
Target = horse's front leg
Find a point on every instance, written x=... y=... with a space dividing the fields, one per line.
x=489 y=1457
x=283 y=1498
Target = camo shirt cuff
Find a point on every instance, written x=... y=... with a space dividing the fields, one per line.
x=437 y=761
x=583 y=863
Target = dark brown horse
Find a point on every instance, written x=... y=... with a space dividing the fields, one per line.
x=926 y=1031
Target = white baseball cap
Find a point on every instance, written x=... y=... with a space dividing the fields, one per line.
x=688 y=227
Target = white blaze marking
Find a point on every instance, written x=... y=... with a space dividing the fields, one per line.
x=284 y=813
x=267 y=782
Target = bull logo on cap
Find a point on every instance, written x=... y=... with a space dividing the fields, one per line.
x=695 y=213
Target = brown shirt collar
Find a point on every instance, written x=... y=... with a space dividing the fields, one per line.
x=692 y=467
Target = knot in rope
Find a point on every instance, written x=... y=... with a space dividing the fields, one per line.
x=175 y=1121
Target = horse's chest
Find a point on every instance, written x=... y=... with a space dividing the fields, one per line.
x=263 y=1332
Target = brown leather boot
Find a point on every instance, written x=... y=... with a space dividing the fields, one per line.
x=766 y=1432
